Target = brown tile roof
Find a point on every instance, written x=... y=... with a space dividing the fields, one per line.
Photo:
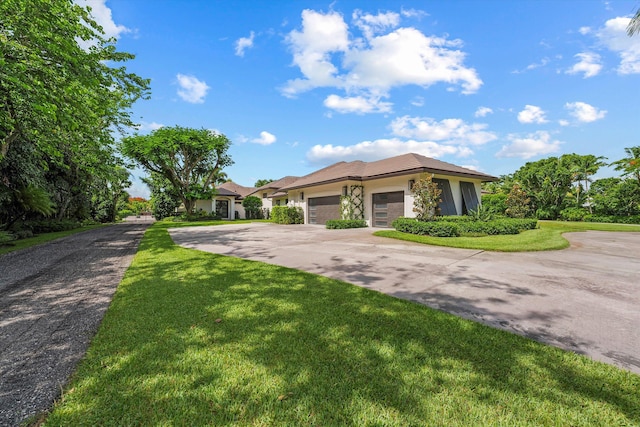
x=400 y=165
x=282 y=182
x=237 y=189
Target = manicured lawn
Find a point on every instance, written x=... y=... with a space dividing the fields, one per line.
x=43 y=238
x=547 y=237
x=193 y=338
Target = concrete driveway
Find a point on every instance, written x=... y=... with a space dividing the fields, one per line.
x=584 y=299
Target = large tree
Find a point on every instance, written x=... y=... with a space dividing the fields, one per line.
x=630 y=165
x=190 y=159
x=62 y=93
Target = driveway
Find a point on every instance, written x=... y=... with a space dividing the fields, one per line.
x=584 y=299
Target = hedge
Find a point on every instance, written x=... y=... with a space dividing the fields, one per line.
x=336 y=224
x=444 y=228
x=287 y=215
x=629 y=219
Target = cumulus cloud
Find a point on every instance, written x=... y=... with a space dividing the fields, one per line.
x=144 y=126
x=387 y=57
x=357 y=104
x=102 y=15
x=614 y=37
x=266 y=138
x=584 y=112
x=191 y=89
x=448 y=131
x=379 y=149
x=588 y=64
x=483 y=111
x=244 y=43
x=535 y=144
x=532 y=114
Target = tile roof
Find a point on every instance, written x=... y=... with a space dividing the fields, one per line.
x=282 y=182
x=394 y=166
x=236 y=189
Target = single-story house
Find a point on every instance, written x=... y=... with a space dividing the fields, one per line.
x=380 y=191
x=227 y=201
x=270 y=193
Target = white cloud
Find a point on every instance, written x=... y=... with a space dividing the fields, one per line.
x=584 y=30
x=327 y=57
x=531 y=114
x=448 y=131
x=584 y=112
x=379 y=149
x=266 y=138
x=483 y=111
x=533 y=66
x=102 y=15
x=589 y=64
x=357 y=104
x=191 y=89
x=418 y=101
x=150 y=126
x=535 y=144
x=244 y=43
x=563 y=122
x=374 y=24
x=614 y=36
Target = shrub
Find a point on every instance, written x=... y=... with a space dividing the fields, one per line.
x=335 y=224
x=630 y=219
x=6 y=238
x=497 y=226
x=49 y=225
x=495 y=203
x=125 y=213
x=287 y=215
x=573 y=214
x=252 y=207
x=426 y=228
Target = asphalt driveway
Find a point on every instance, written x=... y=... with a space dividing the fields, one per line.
x=584 y=299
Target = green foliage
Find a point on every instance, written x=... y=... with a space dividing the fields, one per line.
x=615 y=196
x=48 y=226
x=481 y=213
x=262 y=182
x=337 y=224
x=429 y=228
x=517 y=203
x=495 y=203
x=6 y=238
x=252 y=207
x=287 y=215
x=188 y=159
x=573 y=214
x=613 y=219
x=426 y=198
x=630 y=165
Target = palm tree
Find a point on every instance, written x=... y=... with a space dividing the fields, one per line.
x=630 y=165
x=634 y=24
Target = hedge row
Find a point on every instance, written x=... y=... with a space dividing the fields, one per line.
x=287 y=215
x=336 y=224
x=443 y=228
x=48 y=226
x=630 y=219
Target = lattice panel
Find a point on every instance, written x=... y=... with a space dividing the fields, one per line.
x=357 y=201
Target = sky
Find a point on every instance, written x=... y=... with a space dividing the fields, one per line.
x=299 y=85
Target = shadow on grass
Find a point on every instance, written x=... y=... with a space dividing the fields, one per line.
x=194 y=338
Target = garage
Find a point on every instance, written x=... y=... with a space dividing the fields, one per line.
x=322 y=209
x=387 y=207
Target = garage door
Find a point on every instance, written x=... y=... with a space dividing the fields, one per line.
x=387 y=207
x=322 y=209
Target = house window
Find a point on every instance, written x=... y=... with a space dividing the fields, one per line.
x=277 y=202
x=286 y=201
x=302 y=196
x=264 y=195
x=344 y=190
x=411 y=184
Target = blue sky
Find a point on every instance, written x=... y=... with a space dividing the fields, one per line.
x=298 y=85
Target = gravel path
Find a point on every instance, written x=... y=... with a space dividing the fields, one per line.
x=52 y=300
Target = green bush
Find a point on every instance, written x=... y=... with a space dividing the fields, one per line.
x=627 y=219
x=49 y=225
x=426 y=228
x=495 y=203
x=125 y=213
x=287 y=215
x=573 y=214
x=336 y=224
x=6 y=238
x=456 y=226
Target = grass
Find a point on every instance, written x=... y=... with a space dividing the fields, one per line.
x=43 y=238
x=193 y=338
x=545 y=238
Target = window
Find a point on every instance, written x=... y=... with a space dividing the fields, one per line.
x=264 y=195
x=344 y=190
x=302 y=196
x=411 y=183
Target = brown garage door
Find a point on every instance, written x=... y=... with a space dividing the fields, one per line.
x=322 y=209
x=387 y=207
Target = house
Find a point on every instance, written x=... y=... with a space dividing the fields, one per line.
x=227 y=202
x=380 y=191
x=270 y=193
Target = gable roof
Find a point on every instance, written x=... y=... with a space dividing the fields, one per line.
x=395 y=166
x=273 y=187
x=236 y=189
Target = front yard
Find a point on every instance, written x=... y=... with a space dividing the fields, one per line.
x=193 y=338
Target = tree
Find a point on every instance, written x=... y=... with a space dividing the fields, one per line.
x=189 y=159
x=259 y=183
x=426 y=195
x=634 y=25
x=252 y=207
x=630 y=165
x=615 y=196
x=582 y=169
x=517 y=203
x=164 y=199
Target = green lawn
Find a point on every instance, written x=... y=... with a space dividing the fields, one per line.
x=545 y=238
x=193 y=338
x=43 y=238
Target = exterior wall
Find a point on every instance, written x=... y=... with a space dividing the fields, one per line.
x=240 y=209
x=232 y=205
x=205 y=205
x=383 y=185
